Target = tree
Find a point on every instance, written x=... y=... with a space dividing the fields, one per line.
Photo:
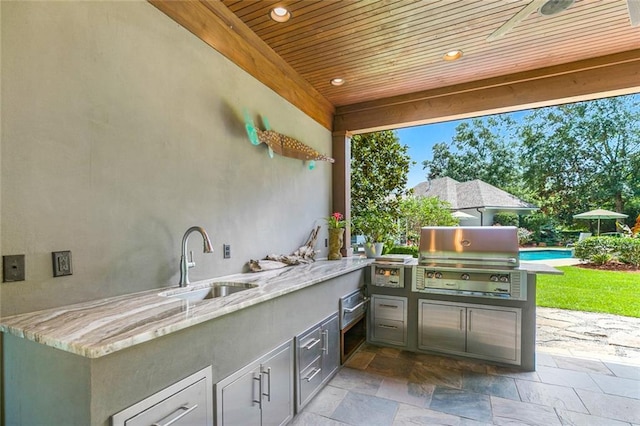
x=379 y=169
x=576 y=157
x=424 y=211
x=483 y=148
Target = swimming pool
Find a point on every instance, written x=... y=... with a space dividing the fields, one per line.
x=545 y=254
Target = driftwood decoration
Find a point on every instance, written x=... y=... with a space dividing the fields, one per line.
x=305 y=254
x=282 y=144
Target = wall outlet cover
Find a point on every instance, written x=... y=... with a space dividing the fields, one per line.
x=13 y=268
x=61 y=263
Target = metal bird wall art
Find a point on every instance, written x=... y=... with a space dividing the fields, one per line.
x=283 y=145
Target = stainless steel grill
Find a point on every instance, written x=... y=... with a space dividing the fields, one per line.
x=473 y=261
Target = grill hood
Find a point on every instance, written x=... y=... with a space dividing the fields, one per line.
x=469 y=246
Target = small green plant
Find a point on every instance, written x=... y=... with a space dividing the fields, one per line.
x=412 y=250
x=601 y=258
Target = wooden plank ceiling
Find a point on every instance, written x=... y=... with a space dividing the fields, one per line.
x=395 y=47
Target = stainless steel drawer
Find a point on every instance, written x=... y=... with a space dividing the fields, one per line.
x=393 y=309
x=310 y=379
x=310 y=347
x=391 y=331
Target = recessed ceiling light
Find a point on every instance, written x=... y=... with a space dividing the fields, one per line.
x=452 y=55
x=338 y=81
x=280 y=14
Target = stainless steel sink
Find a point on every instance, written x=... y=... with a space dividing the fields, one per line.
x=211 y=291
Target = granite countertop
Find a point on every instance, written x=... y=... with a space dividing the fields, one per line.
x=97 y=328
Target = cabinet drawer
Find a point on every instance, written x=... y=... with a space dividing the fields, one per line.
x=309 y=347
x=392 y=309
x=188 y=402
x=391 y=331
x=309 y=380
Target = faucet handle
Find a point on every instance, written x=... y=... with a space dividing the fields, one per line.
x=191 y=263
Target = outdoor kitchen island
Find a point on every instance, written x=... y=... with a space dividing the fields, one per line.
x=466 y=296
x=83 y=363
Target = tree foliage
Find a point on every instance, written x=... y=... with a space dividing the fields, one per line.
x=379 y=170
x=481 y=149
x=565 y=159
x=417 y=212
x=579 y=156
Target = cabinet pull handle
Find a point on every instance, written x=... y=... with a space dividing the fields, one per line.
x=325 y=346
x=314 y=374
x=259 y=401
x=353 y=309
x=461 y=319
x=311 y=344
x=268 y=394
x=469 y=319
x=388 y=306
x=185 y=410
x=387 y=326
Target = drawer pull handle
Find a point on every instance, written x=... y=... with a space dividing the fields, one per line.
x=185 y=410
x=311 y=344
x=314 y=374
x=387 y=326
x=382 y=305
x=359 y=305
x=259 y=401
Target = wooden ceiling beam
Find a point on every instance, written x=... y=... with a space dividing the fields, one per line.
x=610 y=75
x=216 y=25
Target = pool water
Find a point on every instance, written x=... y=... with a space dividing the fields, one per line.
x=544 y=254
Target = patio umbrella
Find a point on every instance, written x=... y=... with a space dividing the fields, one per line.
x=463 y=215
x=600 y=214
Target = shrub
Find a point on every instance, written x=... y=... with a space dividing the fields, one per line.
x=506 y=219
x=412 y=250
x=630 y=251
x=600 y=250
x=597 y=247
x=524 y=236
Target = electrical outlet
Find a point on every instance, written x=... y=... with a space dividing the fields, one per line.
x=226 y=250
x=13 y=268
x=61 y=263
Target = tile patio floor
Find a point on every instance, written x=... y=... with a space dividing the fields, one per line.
x=385 y=386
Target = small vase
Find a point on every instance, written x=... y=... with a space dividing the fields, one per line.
x=336 y=236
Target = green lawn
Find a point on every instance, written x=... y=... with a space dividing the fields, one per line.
x=591 y=290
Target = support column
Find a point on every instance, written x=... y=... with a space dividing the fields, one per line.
x=341 y=184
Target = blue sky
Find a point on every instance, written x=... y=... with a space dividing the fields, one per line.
x=420 y=140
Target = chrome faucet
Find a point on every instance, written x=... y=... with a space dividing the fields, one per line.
x=184 y=264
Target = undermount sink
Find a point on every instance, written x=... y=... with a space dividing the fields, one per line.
x=211 y=291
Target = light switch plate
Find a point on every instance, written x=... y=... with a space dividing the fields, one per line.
x=13 y=268
x=61 y=263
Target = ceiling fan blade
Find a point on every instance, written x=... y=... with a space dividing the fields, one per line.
x=634 y=12
x=517 y=18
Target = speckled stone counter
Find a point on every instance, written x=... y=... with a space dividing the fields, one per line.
x=100 y=327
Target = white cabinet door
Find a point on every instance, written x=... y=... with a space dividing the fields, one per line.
x=494 y=333
x=441 y=326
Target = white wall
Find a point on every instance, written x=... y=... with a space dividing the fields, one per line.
x=120 y=129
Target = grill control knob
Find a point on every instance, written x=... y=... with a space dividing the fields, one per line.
x=494 y=278
x=438 y=275
x=465 y=277
x=429 y=274
x=504 y=279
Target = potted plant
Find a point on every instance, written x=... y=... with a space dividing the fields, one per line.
x=376 y=227
x=336 y=225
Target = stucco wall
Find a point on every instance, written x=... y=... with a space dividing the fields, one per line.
x=120 y=130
